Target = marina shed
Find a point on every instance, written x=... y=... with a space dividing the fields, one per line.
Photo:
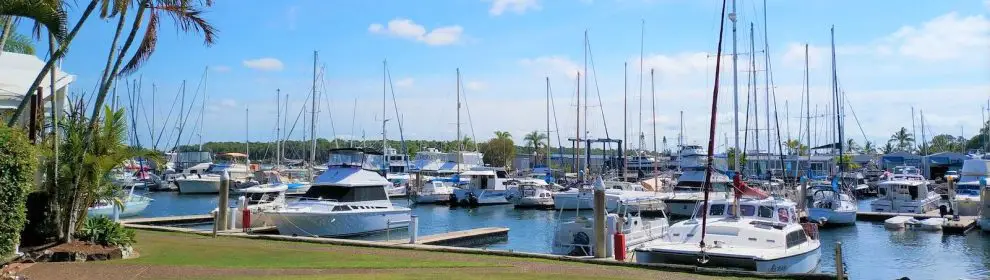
x=939 y=163
x=17 y=72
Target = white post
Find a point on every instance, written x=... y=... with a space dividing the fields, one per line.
x=610 y=222
x=241 y=205
x=116 y=213
x=413 y=229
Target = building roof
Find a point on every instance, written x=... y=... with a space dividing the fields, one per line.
x=18 y=71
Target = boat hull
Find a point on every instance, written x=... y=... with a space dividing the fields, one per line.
x=480 y=197
x=131 y=208
x=338 y=224
x=430 y=198
x=198 y=185
x=967 y=205
x=801 y=263
x=533 y=202
x=832 y=217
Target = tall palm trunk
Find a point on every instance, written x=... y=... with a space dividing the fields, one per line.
x=113 y=46
x=100 y=99
x=51 y=62
x=7 y=28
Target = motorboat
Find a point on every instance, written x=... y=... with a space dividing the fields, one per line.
x=484 y=188
x=765 y=236
x=132 y=204
x=681 y=201
x=209 y=181
x=617 y=193
x=966 y=200
x=576 y=237
x=906 y=191
x=830 y=206
x=400 y=184
x=907 y=222
x=297 y=180
x=433 y=191
x=261 y=200
x=531 y=195
x=185 y=163
x=348 y=199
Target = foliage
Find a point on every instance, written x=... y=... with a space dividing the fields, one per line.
x=503 y=135
x=869 y=148
x=945 y=143
x=887 y=148
x=17 y=43
x=104 y=231
x=18 y=162
x=851 y=146
x=903 y=140
x=980 y=140
x=499 y=152
x=731 y=158
x=70 y=201
x=847 y=162
x=795 y=147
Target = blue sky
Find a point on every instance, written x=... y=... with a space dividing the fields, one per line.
x=932 y=55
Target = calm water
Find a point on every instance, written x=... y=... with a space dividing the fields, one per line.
x=869 y=250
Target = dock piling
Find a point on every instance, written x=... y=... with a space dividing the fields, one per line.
x=840 y=271
x=413 y=228
x=222 y=202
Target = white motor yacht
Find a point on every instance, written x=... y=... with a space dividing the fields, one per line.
x=400 y=183
x=348 y=199
x=484 y=188
x=132 y=204
x=906 y=191
x=967 y=196
x=437 y=190
x=617 y=193
x=262 y=200
x=209 y=181
x=764 y=237
x=531 y=195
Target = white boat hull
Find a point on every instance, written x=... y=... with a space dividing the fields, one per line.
x=430 y=198
x=967 y=205
x=832 y=217
x=337 y=224
x=198 y=185
x=131 y=208
x=801 y=263
x=533 y=202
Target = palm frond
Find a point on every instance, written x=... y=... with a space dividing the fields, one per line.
x=147 y=46
x=44 y=12
x=18 y=43
x=189 y=18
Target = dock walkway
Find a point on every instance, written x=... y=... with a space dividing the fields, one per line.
x=963 y=225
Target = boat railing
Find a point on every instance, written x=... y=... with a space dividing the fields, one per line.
x=316 y=199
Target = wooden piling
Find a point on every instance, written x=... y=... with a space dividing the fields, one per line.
x=840 y=271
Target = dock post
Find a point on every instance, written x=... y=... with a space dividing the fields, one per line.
x=222 y=203
x=216 y=224
x=952 y=200
x=840 y=271
x=599 y=226
x=413 y=227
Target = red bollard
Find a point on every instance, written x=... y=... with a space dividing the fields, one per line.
x=246 y=219
x=620 y=246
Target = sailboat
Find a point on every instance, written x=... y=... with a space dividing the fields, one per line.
x=751 y=231
x=484 y=187
x=830 y=205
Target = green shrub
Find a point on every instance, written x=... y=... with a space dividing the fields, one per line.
x=18 y=163
x=104 y=231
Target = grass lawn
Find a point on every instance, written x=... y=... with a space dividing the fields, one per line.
x=161 y=248
x=166 y=255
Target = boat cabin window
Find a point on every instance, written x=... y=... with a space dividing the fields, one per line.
x=882 y=192
x=796 y=237
x=347 y=194
x=259 y=198
x=747 y=210
x=782 y=215
x=766 y=212
x=717 y=210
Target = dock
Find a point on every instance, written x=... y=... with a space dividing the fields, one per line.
x=171 y=220
x=467 y=238
x=963 y=225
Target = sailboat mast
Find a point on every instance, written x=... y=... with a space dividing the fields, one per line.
x=384 y=112
x=838 y=104
x=756 y=103
x=577 y=130
x=586 y=128
x=278 y=129
x=766 y=84
x=625 y=116
x=642 y=35
x=312 y=119
x=653 y=105
x=460 y=144
x=735 y=89
x=548 y=124
x=711 y=133
x=247 y=134
x=202 y=107
x=807 y=110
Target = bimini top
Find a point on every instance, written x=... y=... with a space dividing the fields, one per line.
x=353 y=157
x=352 y=176
x=236 y=155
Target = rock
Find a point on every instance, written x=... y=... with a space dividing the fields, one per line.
x=98 y=257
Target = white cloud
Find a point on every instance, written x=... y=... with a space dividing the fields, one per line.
x=986 y=4
x=678 y=65
x=552 y=66
x=475 y=86
x=229 y=103
x=221 y=68
x=291 y=16
x=949 y=36
x=405 y=83
x=516 y=6
x=407 y=29
x=264 y=64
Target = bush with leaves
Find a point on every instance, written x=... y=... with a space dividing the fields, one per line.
x=18 y=161
x=104 y=231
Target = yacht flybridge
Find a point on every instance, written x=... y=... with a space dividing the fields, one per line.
x=348 y=199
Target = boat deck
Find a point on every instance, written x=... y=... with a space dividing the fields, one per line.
x=963 y=225
x=466 y=238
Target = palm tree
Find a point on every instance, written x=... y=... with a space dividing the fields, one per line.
x=534 y=140
x=851 y=146
x=903 y=139
x=503 y=135
x=796 y=147
x=887 y=148
x=869 y=148
x=15 y=42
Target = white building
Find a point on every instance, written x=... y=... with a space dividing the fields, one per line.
x=17 y=72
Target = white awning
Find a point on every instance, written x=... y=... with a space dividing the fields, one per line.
x=18 y=71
